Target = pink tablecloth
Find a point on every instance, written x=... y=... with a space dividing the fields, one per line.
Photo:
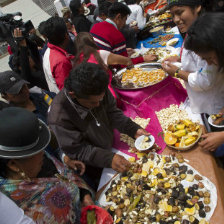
x=145 y=102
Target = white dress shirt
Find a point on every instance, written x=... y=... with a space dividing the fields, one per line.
x=205 y=85
x=137 y=15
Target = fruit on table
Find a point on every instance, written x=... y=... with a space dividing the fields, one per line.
x=170 y=139
x=180 y=126
x=189 y=141
x=180 y=133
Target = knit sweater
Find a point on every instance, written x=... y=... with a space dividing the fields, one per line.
x=109 y=38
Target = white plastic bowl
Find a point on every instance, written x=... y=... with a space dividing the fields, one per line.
x=140 y=139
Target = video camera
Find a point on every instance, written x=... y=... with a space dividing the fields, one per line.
x=8 y=22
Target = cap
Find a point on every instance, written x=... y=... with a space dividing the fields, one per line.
x=11 y=83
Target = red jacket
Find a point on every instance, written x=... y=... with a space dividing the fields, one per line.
x=109 y=38
x=57 y=65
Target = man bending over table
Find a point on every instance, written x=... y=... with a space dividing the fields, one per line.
x=83 y=116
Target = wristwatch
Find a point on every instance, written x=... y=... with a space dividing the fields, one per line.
x=177 y=73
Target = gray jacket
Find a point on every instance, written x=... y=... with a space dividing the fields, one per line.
x=78 y=134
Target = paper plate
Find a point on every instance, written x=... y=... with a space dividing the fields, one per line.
x=210 y=121
x=172 y=42
x=140 y=139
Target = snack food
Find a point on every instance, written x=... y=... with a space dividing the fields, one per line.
x=142 y=78
x=217 y=119
x=152 y=191
x=183 y=133
x=160 y=52
x=170 y=115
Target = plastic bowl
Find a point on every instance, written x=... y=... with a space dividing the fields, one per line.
x=139 y=141
x=157 y=31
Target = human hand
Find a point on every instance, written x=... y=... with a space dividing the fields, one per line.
x=141 y=132
x=75 y=164
x=172 y=59
x=120 y=164
x=19 y=36
x=169 y=68
x=130 y=51
x=212 y=141
x=150 y=57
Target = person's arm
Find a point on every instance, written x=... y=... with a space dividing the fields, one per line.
x=23 y=57
x=116 y=59
x=118 y=120
x=61 y=72
x=75 y=147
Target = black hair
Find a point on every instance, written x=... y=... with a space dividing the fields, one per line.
x=41 y=28
x=75 y=5
x=55 y=30
x=3 y=167
x=130 y=2
x=87 y=79
x=118 y=8
x=103 y=8
x=207 y=34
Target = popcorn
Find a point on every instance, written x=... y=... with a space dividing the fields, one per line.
x=170 y=115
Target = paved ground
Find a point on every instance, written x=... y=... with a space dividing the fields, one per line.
x=30 y=11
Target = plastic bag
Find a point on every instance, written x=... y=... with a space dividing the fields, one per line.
x=103 y=217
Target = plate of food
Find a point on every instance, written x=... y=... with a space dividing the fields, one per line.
x=141 y=76
x=216 y=120
x=172 y=42
x=160 y=52
x=183 y=135
x=144 y=142
x=160 y=189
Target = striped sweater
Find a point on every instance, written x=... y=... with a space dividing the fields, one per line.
x=109 y=38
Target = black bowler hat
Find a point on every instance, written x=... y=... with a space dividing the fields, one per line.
x=11 y=83
x=22 y=134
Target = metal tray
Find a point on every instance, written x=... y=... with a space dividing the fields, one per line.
x=116 y=81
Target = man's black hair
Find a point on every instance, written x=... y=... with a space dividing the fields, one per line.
x=55 y=30
x=130 y=2
x=75 y=5
x=41 y=28
x=118 y=8
x=207 y=34
x=104 y=7
x=87 y=79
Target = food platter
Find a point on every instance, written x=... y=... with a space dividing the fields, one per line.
x=160 y=189
x=118 y=79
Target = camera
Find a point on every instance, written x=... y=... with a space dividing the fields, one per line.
x=8 y=22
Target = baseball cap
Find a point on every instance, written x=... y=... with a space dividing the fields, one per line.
x=11 y=83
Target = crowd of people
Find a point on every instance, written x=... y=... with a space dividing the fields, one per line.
x=59 y=109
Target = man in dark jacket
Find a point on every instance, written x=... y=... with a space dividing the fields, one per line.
x=83 y=116
x=81 y=23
